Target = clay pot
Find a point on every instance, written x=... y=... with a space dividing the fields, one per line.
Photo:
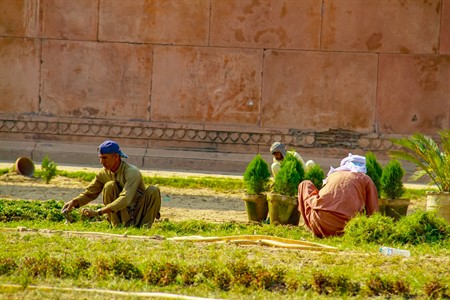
x=281 y=209
x=256 y=206
x=394 y=208
x=23 y=166
x=439 y=202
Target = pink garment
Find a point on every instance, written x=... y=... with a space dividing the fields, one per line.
x=346 y=194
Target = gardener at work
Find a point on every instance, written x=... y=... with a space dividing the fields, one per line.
x=347 y=191
x=127 y=201
x=278 y=151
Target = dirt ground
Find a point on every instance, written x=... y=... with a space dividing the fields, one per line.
x=177 y=204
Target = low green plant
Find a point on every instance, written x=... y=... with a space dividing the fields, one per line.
x=383 y=285
x=256 y=176
x=421 y=227
x=316 y=175
x=4 y=171
x=49 y=169
x=392 y=180
x=374 y=170
x=417 y=228
x=430 y=160
x=219 y=270
x=331 y=284
x=376 y=229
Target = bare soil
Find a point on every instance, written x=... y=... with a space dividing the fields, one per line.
x=177 y=204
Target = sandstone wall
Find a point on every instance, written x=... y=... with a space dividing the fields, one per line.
x=223 y=77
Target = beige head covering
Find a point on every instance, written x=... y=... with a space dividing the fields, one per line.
x=278 y=147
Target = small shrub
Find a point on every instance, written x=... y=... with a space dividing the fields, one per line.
x=256 y=176
x=374 y=170
x=316 y=175
x=391 y=180
x=49 y=169
x=430 y=160
x=288 y=178
x=298 y=165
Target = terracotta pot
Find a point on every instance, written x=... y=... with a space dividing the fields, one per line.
x=439 y=202
x=395 y=208
x=256 y=206
x=281 y=208
x=23 y=166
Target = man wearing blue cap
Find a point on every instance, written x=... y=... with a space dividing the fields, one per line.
x=127 y=201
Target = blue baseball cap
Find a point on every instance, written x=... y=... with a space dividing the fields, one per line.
x=108 y=147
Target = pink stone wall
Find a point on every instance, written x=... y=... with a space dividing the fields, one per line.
x=191 y=85
x=95 y=80
x=224 y=75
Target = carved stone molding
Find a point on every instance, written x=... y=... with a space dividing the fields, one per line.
x=334 y=138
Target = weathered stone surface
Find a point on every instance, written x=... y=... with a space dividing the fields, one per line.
x=407 y=26
x=19 y=75
x=206 y=85
x=96 y=80
x=69 y=19
x=155 y=21
x=19 y=18
x=312 y=90
x=413 y=94
x=284 y=24
x=445 y=28
x=230 y=76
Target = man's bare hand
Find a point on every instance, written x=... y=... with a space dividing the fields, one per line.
x=89 y=212
x=69 y=206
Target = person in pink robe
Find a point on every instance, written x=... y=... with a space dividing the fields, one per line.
x=347 y=192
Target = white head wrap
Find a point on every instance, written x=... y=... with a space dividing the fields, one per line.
x=352 y=163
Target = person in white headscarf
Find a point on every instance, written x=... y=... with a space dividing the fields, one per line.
x=278 y=150
x=347 y=191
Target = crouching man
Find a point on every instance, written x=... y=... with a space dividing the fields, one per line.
x=126 y=200
x=347 y=191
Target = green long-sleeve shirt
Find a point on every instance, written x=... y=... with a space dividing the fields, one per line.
x=129 y=179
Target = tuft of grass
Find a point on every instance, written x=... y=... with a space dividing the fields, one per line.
x=218 y=270
x=334 y=284
x=374 y=229
x=193 y=182
x=214 y=183
x=416 y=228
x=421 y=227
x=80 y=175
x=383 y=285
x=4 y=171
